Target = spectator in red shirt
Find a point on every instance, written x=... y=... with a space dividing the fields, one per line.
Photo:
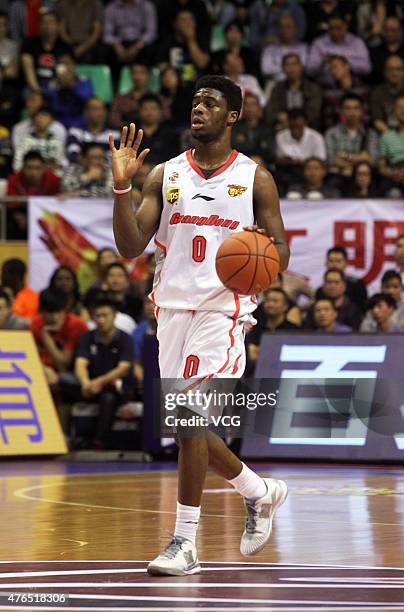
x=33 y=179
x=56 y=333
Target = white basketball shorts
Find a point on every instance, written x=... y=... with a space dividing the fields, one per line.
x=199 y=344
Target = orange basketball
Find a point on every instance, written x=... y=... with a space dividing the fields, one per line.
x=247 y=262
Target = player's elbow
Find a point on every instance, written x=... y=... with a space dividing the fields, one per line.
x=128 y=252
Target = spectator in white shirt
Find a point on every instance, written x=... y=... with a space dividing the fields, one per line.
x=41 y=139
x=272 y=55
x=35 y=101
x=233 y=68
x=294 y=145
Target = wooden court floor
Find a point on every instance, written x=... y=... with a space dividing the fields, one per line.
x=89 y=531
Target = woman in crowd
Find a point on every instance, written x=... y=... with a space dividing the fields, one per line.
x=175 y=97
x=363 y=184
x=64 y=279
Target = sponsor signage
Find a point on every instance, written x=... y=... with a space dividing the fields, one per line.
x=339 y=397
x=368 y=229
x=29 y=424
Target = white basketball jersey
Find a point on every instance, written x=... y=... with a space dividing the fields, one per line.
x=198 y=214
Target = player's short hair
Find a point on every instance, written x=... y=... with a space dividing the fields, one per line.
x=338 y=249
x=391 y=275
x=3 y=15
x=381 y=297
x=326 y=299
x=53 y=300
x=116 y=264
x=33 y=155
x=335 y=270
x=3 y=294
x=231 y=92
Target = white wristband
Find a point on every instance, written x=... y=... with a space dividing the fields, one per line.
x=122 y=191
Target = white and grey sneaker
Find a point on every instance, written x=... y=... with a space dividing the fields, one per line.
x=260 y=514
x=180 y=558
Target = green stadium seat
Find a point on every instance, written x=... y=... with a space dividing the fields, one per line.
x=125 y=80
x=100 y=77
x=217 y=38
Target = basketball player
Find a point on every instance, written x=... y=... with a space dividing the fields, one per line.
x=191 y=203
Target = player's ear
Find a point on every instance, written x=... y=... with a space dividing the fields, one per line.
x=232 y=118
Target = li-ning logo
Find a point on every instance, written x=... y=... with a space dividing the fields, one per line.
x=325 y=402
x=172 y=195
x=236 y=190
x=203 y=197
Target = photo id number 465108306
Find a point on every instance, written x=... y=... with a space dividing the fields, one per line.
x=34 y=599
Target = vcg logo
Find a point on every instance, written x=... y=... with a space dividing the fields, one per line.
x=326 y=396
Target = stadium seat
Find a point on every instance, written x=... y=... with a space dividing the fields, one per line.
x=125 y=80
x=100 y=77
x=217 y=39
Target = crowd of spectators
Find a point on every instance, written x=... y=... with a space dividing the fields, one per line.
x=323 y=85
x=92 y=343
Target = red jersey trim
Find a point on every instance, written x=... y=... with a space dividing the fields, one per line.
x=161 y=246
x=223 y=168
x=232 y=341
x=235 y=368
x=231 y=335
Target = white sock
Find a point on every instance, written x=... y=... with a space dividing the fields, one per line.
x=249 y=484
x=187 y=521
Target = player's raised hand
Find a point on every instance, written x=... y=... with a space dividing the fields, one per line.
x=125 y=161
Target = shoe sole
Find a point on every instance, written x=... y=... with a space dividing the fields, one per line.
x=278 y=503
x=155 y=570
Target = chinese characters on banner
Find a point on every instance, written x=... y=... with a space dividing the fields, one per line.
x=71 y=233
x=28 y=420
